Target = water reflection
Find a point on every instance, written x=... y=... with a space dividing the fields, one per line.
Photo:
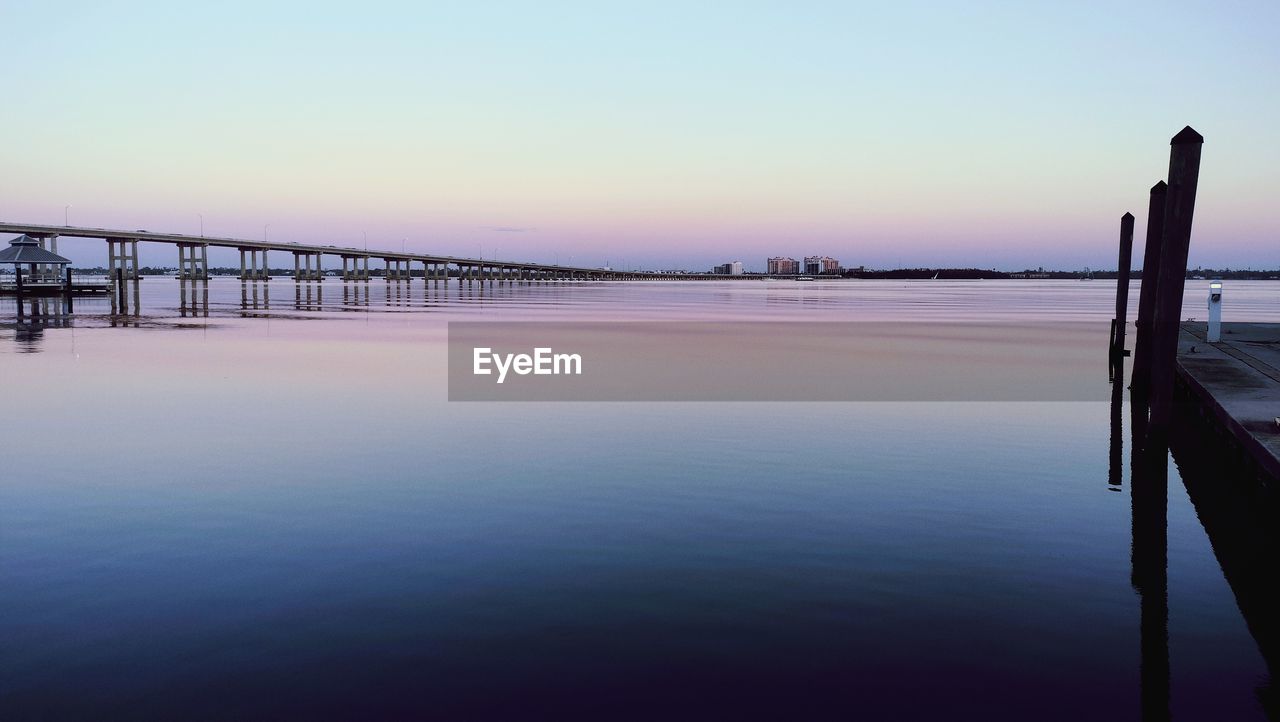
x=1115 y=472
x=1148 y=488
x=254 y=296
x=126 y=297
x=193 y=298
x=815 y=557
x=29 y=317
x=1239 y=514
x=308 y=296
x=355 y=295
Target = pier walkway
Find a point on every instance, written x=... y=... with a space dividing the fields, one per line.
x=1237 y=382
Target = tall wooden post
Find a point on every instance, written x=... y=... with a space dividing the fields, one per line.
x=1180 y=203
x=1141 y=377
x=1122 y=289
x=18 y=290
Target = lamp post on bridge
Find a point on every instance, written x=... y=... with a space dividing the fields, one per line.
x=202 y=224
x=66 y=215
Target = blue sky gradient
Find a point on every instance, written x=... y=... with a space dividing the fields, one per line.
x=672 y=135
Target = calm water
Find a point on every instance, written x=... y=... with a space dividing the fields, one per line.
x=267 y=508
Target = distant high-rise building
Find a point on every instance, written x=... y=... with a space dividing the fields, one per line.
x=781 y=266
x=732 y=268
x=819 y=265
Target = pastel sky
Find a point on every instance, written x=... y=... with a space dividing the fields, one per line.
x=651 y=134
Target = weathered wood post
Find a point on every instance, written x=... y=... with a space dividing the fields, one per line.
x=67 y=291
x=17 y=272
x=1122 y=290
x=1141 y=376
x=124 y=306
x=1180 y=203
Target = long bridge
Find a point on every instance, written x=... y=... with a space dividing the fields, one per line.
x=193 y=259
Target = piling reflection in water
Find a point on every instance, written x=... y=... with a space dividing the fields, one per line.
x=355 y=294
x=193 y=297
x=1239 y=513
x=308 y=296
x=251 y=298
x=1115 y=471
x=1148 y=488
x=125 y=296
x=29 y=317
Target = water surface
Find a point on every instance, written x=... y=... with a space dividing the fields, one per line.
x=265 y=507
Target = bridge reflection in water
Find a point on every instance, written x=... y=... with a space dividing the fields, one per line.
x=160 y=300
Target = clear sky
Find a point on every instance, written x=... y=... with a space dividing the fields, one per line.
x=655 y=134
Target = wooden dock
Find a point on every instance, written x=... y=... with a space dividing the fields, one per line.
x=88 y=287
x=1237 y=384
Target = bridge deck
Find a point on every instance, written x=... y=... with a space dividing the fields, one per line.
x=328 y=250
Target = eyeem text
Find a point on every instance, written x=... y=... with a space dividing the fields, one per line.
x=542 y=362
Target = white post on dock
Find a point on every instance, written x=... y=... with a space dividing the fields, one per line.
x=1215 y=312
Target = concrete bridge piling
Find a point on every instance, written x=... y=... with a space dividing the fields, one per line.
x=122 y=256
x=306 y=266
x=256 y=269
x=193 y=261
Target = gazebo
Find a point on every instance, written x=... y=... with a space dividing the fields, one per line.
x=26 y=251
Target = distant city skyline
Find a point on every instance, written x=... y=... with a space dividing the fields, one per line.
x=665 y=135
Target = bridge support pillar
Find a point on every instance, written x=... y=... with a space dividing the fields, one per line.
x=351 y=269
x=252 y=271
x=193 y=265
x=122 y=256
x=302 y=266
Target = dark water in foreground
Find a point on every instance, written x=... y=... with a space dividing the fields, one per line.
x=273 y=512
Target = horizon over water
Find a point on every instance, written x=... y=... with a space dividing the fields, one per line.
x=269 y=508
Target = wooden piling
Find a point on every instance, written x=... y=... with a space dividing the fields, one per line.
x=1141 y=377
x=1180 y=202
x=68 y=289
x=120 y=290
x=1122 y=287
x=17 y=272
